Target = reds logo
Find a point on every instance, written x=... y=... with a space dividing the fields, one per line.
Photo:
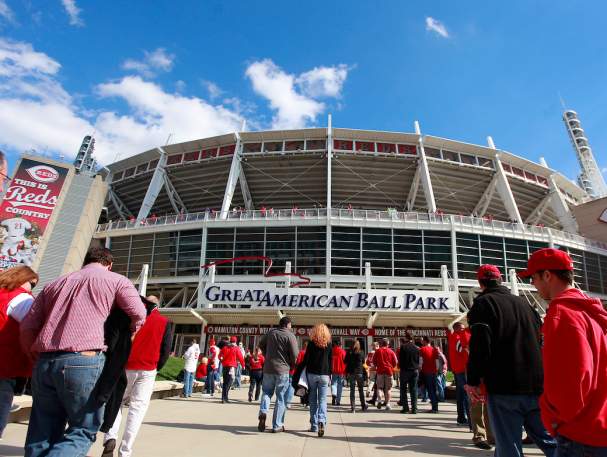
x=43 y=173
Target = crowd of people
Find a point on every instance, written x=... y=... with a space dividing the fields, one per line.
x=92 y=345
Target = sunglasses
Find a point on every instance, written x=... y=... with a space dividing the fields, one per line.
x=33 y=284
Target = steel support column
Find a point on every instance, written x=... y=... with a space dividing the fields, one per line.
x=413 y=190
x=232 y=179
x=560 y=207
x=329 y=206
x=481 y=207
x=121 y=208
x=425 y=172
x=503 y=187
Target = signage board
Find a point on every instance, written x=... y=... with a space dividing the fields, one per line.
x=26 y=209
x=268 y=296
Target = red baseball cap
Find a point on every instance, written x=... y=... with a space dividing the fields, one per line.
x=233 y=339
x=547 y=259
x=488 y=272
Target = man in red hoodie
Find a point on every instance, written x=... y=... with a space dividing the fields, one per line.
x=459 y=339
x=385 y=361
x=574 y=402
x=338 y=370
x=149 y=353
x=229 y=356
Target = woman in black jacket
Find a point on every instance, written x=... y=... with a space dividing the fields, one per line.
x=355 y=373
x=317 y=362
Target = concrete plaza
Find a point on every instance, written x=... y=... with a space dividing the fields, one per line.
x=202 y=426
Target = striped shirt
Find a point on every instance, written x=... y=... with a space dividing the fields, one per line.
x=69 y=313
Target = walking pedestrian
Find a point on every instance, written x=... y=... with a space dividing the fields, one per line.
x=230 y=356
x=64 y=330
x=429 y=355
x=354 y=371
x=385 y=361
x=408 y=361
x=239 y=367
x=191 y=361
x=371 y=385
x=149 y=352
x=459 y=338
x=212 y=367
x=256 y=361
x=338 y=370
x=280 y=349
x=574 y=403
x=505 y=355
x=441 y=377
x=317 y=362
x=305 y=399
x=16 y=299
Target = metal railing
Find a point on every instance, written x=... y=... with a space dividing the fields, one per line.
x=390 y=215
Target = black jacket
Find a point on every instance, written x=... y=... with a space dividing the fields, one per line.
x=318 y=360
x=505 y=344
x=408 y=357
x=354 y=362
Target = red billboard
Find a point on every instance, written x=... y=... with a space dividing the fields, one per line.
x=26 y=209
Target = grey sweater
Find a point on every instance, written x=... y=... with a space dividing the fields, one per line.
x=280 y=349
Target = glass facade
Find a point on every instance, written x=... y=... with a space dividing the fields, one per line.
x=391 y=252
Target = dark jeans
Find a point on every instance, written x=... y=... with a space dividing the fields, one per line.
x=62 y=387
x=430 y=383
x=227 y=383
x=463 y=407
x=210 y=383
x=256 y=378
x=408 y=381
x=508 y=415
x=567 y=448
x=356 y=380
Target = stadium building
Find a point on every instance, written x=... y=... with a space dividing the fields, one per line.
x=388 y=227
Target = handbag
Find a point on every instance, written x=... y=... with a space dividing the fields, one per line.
x=302 y=384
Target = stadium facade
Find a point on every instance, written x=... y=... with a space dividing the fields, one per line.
x=389 y=228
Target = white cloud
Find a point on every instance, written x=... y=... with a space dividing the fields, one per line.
x=38 y=113
x=152 y=63
x=436 y=26
x=293 y=97
x=73 y=12
x=213 y=89
x=6 y=12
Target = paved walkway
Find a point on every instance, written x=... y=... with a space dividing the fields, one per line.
x=203 y=426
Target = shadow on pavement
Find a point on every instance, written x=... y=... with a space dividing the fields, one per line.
x=235 y=430
x=10 y=450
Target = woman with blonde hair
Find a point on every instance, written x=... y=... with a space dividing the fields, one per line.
x=317 y=362
x=16 y=285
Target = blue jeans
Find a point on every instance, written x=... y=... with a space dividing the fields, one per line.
x=7 y=387
x=238 y=379
x=463 y=407
x=279 y=384
x=441 y=385
x=63 y=393
x=291 y=391
x=508 y=414
x=337 y=386
x=210 y=383
x=188 y=382
x=567 y=448
x=318 y=387
x=430 y=383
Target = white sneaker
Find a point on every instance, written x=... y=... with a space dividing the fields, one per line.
x=15 y=408
x=388 y=407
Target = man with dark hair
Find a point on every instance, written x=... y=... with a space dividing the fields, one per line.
x=280 y=349
x=338 y=371
x=385 y=361
x=64 y=331
x=574 y=402
x=505 y=356
x=408 y=361
x=429 y=356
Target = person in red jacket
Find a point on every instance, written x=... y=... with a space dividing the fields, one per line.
x=149 y=353
x=459 y=338
x=15 y=301
x=256 y=360
x=574 y=402
x=201 y=370
x=229 y=356
x=338 y=370
x=429 y=355
x=385 y=362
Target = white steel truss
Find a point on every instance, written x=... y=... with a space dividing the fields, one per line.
x=424 y=172
x=537 y=213
x=560 y=207
x=503 y=187
x=481 y=207
x=123 y=211
x=235 y=171
x=413 y=190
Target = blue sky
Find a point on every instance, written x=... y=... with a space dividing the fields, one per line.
x=134 y=72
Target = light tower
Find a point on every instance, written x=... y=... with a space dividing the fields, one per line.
x=590 y=178
x=84 y=162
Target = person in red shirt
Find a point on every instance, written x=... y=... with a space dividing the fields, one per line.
x=385 y=362
x=459 y=338
x=574 y=402
x=201 y=371
x=15 y=301
x=230 y=355
x=429 y=357
x=256 y=360
x=338 y=370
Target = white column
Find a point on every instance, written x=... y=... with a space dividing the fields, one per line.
x=425 y=172
x=202 y=272
x=155 y=186
x=561 y=208
x=503 y=187
x=232 y=179
x=513 y=282
x=329 y=184
x=287 y=270
x=454 y=254
x=444 y=275
x=143 y=279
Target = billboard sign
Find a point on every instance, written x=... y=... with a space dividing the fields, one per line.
x=26 y=209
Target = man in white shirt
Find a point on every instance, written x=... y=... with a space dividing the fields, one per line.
x=191 y=363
